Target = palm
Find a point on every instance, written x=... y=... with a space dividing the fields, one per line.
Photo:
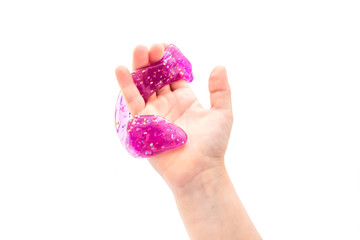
x=208 y=130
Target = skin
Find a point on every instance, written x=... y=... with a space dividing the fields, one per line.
x=195 y=172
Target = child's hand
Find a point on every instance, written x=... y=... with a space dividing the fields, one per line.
x=204 y=194
x=208 y=130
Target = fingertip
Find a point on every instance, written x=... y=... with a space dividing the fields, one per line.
x=123 y=76
x=218 y=79
x=219 y=88
x=165 y=45
x=139 y=49
x=156 y=52
x=120 y=68
x=140 y=57
x=220 y=69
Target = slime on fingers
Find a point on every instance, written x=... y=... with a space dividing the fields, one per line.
x=148 y=135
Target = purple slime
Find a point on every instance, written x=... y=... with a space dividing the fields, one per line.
x=151 y=134
x=148 y=135
x=172 y=67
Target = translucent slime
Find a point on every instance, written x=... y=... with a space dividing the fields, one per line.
x=148 y=135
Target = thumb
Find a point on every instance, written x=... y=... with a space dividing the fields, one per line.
x=219 y=88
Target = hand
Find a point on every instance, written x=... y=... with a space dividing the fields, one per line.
x=208 y=130
x=195 y=172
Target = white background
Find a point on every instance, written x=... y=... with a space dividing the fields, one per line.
x=294 y=153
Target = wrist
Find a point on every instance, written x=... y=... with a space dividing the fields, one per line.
x=210 y=208
x=207 y=182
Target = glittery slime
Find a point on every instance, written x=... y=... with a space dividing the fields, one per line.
x=148 y=135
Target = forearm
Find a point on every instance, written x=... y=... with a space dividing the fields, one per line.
x=211 y=209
